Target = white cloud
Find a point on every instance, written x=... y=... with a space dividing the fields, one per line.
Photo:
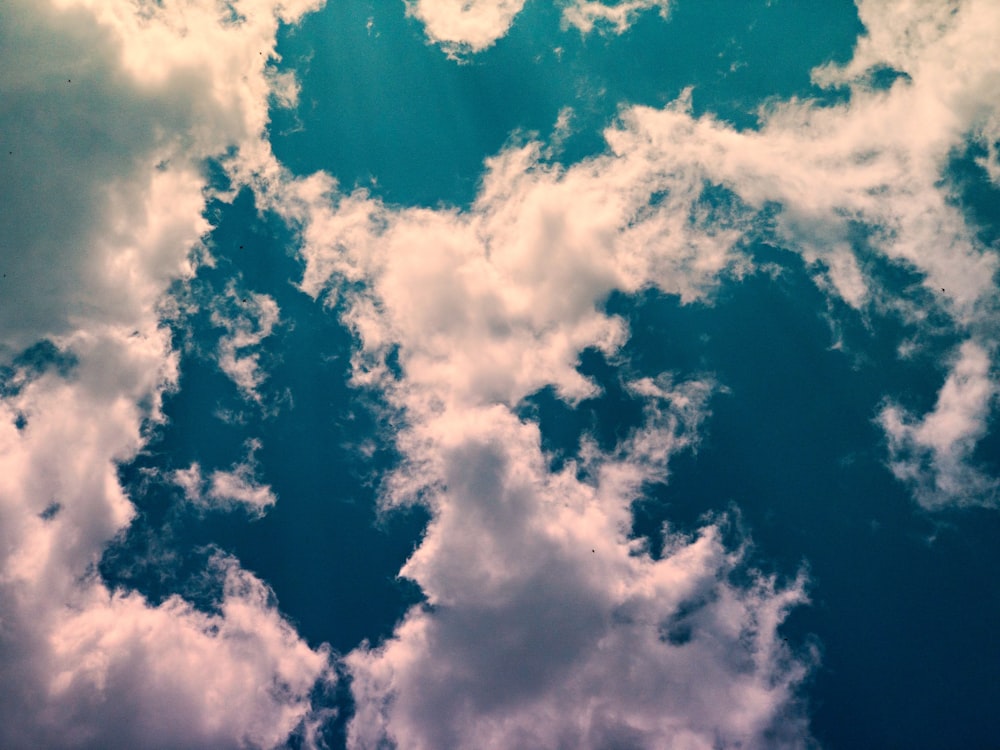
x=124 y=674
x=461 y=26
x=225 y=490
x=933 y=454
x=492 y=304
x=100 y=669
x=109 y=110
x=546 y=627
x=586 y=15
x=248 y=319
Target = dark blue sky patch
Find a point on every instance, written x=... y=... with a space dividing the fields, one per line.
x=883 y=77
x=974 y=193
x=33 y=362
x=50 y=512
x=609 y=418
x=331 y=561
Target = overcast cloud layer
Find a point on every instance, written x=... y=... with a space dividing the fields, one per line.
x=544 y=623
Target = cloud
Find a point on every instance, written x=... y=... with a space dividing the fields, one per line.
x=544 y=623
x=491 y=304
x=225 y=490
x=933 y=454
x=545 y=626
x=586 y=15
x=110 y=109
x=462 y=26
x=124 y=674
x=97 y=668
x=248 y=319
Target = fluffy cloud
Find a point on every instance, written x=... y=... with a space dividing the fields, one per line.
x=123 y=674
x=110 y=110
x=96 y=668
x=462 y=27
x=465 y=25
x=544 y=624
x=546 y=627
x=537 y=598
x=542 y=244
x=478 y=309
x=491 y=304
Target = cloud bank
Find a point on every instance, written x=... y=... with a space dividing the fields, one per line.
x=110 y=109
x=545 y=625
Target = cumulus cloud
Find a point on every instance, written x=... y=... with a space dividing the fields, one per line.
x=533 y=586
x=666 y=206
x=124 y=674
x=933 y=453
x=545 y=626
x=110 y=109
x=96 y=668
x=464 y=27
x=491 y=304
x=461 y=26
x=545 y=623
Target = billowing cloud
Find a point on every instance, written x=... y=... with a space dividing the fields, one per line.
x=545 y=626
x=496 y=302
x=110 y=109
x=123 y=674
x=465 y=25
x=97 y=668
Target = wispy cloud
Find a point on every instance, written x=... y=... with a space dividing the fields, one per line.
x=933 y=454
x=586 y=15
x=248 y=318
x=225 y=490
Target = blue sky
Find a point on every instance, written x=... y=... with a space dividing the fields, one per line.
x=501 y=374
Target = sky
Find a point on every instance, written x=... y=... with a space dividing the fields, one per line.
x=433 y=374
